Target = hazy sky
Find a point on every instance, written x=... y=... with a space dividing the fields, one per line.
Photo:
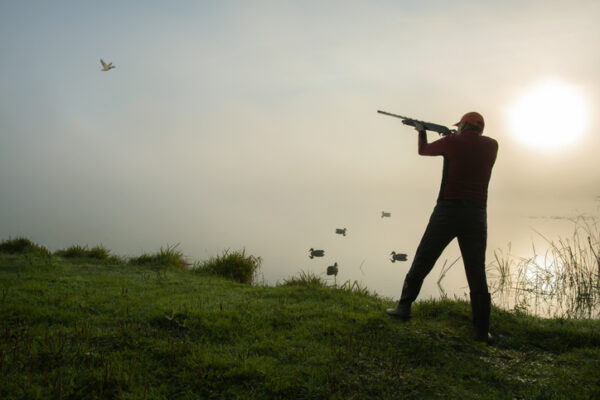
x=253 y=124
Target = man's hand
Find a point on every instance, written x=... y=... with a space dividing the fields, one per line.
x=420 y=128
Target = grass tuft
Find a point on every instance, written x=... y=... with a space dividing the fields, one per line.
x=236 y=265
x=22 y=245
x=168 y=257
x=310 y=279
x=305 y=279
x=97 y=253
x=356 y=287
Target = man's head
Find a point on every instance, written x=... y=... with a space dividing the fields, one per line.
x=471 y=121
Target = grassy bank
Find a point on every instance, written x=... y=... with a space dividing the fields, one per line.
x=91 y=328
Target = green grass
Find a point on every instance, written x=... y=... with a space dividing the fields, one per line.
x=21 y=245
x=168 y=257
x=235 y=265
x=76 y=329
x=99 y=253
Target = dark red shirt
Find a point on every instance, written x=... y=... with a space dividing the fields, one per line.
x=468 y=161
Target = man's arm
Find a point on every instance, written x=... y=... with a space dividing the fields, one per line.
x=422 y=141
x=435 y=148
x=422 y=135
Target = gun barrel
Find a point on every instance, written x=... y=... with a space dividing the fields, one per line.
x=392 y=115
x=441 y=129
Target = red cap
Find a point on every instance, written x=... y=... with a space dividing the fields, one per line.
x=473 y=118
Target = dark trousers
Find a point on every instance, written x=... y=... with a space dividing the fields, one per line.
x=453 y=219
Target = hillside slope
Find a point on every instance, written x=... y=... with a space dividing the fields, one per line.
x=82 y=329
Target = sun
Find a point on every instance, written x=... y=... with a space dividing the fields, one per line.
x=548 y=115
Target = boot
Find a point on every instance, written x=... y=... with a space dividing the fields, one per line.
x=410 y=291
x=480 y=306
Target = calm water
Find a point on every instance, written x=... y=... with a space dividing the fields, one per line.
x=363 y=255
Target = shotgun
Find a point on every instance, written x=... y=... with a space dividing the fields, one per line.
x=429 y=126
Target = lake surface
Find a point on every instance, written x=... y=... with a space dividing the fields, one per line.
x=363 y=255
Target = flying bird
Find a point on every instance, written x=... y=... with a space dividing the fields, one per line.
x=105 y=66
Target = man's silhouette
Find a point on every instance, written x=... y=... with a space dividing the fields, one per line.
x=460 y=213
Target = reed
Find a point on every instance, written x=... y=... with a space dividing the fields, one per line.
x=563 y=281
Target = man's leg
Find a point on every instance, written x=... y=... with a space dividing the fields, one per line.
x=438 y=234
x=472 y=241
